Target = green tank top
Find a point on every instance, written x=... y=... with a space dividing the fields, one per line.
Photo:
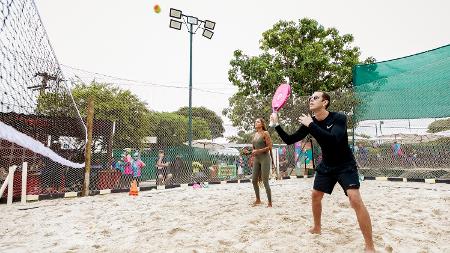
x=258 y=141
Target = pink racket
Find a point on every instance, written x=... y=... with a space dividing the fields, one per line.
x=281 y=96
x=279 y=99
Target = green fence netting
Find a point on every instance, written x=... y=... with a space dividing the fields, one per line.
x=416 y=86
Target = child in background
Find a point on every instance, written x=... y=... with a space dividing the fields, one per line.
x=136 y=166
x=124 y=166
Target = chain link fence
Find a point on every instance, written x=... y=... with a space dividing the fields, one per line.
x=43 y=115
x=406 y=148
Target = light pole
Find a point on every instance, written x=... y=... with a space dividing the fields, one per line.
x=191 y=22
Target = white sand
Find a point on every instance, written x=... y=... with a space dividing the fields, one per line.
x=406 y=217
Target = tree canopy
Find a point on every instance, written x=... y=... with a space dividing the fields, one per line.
x=133 y=120
x=311 y=56
x=214 y=121
x=439 y=126
x=171 y=129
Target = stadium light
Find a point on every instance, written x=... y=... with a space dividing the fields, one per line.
x=174 y=13
x=207 y=33
x=210 y=25
x=175 y=24
x=192 y=24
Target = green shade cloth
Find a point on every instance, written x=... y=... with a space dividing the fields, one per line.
x=412 y=87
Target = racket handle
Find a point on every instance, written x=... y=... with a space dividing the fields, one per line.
x=274 y=114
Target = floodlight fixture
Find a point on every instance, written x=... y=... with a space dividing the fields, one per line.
x=192 y=24
x=174 y=13
x=175 y=24
x=192 y=20
x=210 y=24
x=207 y=33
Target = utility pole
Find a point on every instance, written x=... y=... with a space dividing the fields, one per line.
x=44 y=83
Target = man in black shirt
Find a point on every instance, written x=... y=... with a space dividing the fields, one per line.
x=338 y=163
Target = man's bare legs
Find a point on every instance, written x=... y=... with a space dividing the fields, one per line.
x=363 y=217
x=361 y=214
x=316 y=197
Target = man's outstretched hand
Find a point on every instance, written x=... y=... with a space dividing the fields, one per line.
x=305 y=120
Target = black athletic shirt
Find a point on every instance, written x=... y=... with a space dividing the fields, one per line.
x=331 y=134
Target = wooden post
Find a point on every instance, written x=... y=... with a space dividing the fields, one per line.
x=90 y=124
x=12 y=169
x=23 y=198
x=109 y=153
x=6 y=182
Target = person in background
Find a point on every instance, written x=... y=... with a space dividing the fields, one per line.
x=262 y=146
x=178 y=169
x=163 y=172
x=137 y=165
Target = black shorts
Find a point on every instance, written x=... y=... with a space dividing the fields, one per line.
x=347 y=176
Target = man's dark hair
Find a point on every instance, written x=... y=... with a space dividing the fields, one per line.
x=326 y=96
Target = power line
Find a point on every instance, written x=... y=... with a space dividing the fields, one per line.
x=140 y=83
x=137 y=82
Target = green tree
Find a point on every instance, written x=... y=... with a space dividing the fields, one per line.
x=214 y=121
x=110 y=103
x=439 y=125
x=133 y=120
x=171 y=129
x=311 y=56
x=246 y=109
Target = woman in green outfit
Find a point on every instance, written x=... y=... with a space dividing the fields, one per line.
x=262 y=146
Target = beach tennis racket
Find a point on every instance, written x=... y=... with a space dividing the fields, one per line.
x=280 y=98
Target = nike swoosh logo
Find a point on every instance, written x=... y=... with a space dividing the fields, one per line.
x=328 y=127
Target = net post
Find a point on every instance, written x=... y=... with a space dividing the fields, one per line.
x=23 y=198
x=5 y=184
x=12 y=169
x=89 y=124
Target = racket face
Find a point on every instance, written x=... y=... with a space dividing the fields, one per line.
x=281 y=96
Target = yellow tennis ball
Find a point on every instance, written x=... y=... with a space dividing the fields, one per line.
x=156 y=8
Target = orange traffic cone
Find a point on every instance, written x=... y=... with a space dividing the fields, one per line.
x=133 y=189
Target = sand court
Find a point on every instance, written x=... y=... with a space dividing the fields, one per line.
x=406 y=217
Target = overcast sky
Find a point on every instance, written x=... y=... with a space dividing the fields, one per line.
x=127 y=39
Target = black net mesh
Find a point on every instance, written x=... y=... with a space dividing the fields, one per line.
x=40 y=124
